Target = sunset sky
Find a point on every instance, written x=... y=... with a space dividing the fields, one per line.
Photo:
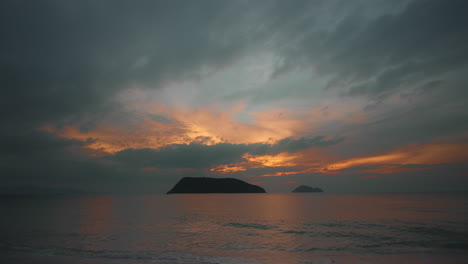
x=130 y=96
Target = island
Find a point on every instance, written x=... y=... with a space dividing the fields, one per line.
x=214 y=185
x=305 y=188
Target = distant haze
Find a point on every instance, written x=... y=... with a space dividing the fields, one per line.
x=131 y=96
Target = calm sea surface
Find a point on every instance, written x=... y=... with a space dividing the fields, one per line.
x=235 y=228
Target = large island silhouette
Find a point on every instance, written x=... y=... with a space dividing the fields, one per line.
x=214 y=185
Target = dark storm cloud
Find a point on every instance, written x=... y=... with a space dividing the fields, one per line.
x=379 y=55
x=293 y=145
x=36 y=143
x=200 y=156
x=421 y=123
x=182 y=156
x=60 y=58
x=35 y=162
x=61 y=175
x=416 y=54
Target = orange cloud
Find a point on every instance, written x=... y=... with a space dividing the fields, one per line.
x=212 y=125
x=106 y=139
x=281 y=173
x=283 y=159
x=231 y=168
x=290 y=182
x=429 y=154
x=205 y=125
x=221 y=125
x=407 y=158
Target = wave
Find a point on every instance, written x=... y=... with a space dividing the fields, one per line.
x=129 y=255
x=251 y=226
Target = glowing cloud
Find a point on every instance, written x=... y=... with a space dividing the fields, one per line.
x=430 y=154
x=207 y=126
x=407 y=158
x=290 y=182
x=283 y=159
x=106 y=139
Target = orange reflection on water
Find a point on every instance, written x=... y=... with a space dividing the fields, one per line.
x=97 y=213
x=275 y=206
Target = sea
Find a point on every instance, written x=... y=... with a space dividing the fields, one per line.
x=235 y=228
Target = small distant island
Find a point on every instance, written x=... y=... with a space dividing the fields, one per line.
x=305 y=188
x=214 y=185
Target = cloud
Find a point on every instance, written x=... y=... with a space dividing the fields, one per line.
x=182 y=156
x=34 y=143
x=378 y=53
x=236 y=87
x=65 y=58
x=201 y=156
x=290 y=182
x=406 y=158
x=291 y=145
x=206 y=126
x=38 y=161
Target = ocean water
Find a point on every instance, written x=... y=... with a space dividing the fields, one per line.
x=235 y=228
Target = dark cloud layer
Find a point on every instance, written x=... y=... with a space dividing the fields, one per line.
x=64 y=58
x=61 y=60
x=413 y=58
x=379 y=55
x=199 y=156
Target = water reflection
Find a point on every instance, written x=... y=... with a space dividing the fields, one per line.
x=97 y=214
x=271 y=228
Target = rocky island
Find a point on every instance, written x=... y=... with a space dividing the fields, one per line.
x=214 y=185
x=305 y=188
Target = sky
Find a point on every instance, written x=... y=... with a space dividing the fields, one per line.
x=131 y=96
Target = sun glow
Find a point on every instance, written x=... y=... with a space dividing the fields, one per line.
x=283 y=159
x=206 y=126
x=407 y=158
